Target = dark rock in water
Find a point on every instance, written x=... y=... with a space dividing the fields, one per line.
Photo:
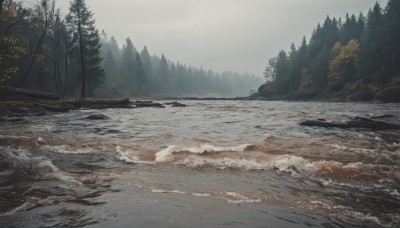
x=176 y=104
x=97 y=117
x=358 y=122
x=146 y=104
x=41 y=113
x=321 y=119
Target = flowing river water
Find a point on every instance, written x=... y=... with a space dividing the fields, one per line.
x=211 y=164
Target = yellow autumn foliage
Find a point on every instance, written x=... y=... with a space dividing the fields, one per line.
x=11 y=48
x=342 y=59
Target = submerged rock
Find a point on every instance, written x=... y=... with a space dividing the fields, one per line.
x=147 y=104
x=97 y=117
x=176 y=104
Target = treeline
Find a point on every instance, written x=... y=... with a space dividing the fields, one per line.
x=43 y=50
x=356 y=57
x=133 y=72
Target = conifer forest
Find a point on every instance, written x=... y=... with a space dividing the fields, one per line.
x=43 y=50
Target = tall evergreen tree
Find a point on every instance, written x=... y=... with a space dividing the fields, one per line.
x=140 y=74
x=129 y=66
x=392 y=36
x=87 y=45
x=371 y=43
x=163 y=72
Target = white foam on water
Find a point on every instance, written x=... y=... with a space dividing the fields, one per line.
x=154 y=190
x=159 y=190
x=239 y=198
x=281 y=162
x=269 y=136
x=40 y=164
x=165 y=155
x=129 y=157
x=201 y=194
x=222 y=163
x=394 y=192
x=57 y=173
x=66 y=149
x=124 y=156
x=346 y=148
x=339 y=147
x=178 y=192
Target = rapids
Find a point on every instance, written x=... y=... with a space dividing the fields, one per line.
x=211 y=164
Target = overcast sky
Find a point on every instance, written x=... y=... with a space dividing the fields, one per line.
x=237 y=35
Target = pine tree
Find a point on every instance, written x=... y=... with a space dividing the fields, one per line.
x=87 y=46
x=147 y=67
x=392 y=36
x=129 y=78
x=140 y=74
x=163 y=73
x=372 y=43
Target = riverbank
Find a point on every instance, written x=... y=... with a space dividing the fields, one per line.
x=374 y=88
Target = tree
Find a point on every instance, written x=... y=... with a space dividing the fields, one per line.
x=163 y=72
x=11 y=47
x=1 y=6
x=270 y=70
x=391 y=53
x=140 y=74
x=129 y=66
x=342 y=67
x=147 y=67
x=87 y=40
x=371 y=43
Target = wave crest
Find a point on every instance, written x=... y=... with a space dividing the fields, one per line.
x=165 y=155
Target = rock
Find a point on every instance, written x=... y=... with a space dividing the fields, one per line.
x=358 y=122
x=146 y=104
x=176 y=104
x=97 y=117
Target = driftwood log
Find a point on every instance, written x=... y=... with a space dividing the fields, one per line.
x=96 y=103
x=358 y=122
x=24 y=94
x=53 y=108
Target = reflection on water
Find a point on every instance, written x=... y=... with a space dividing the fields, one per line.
x=214 y=163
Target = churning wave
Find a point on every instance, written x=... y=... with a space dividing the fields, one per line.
x=165 y=155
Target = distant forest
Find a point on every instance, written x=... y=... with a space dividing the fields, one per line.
x=355 y=58
x=42 y=50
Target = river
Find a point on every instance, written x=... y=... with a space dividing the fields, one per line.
x=211 y=164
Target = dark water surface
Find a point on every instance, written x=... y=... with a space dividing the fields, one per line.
x=212 y=164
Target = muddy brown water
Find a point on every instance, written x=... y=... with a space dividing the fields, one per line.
x=212 y=164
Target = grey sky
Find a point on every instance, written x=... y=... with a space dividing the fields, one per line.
x=237 y=35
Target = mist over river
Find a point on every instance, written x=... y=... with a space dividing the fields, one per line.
x=211 y=164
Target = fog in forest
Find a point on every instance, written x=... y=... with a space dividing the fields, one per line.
x=168 y=49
